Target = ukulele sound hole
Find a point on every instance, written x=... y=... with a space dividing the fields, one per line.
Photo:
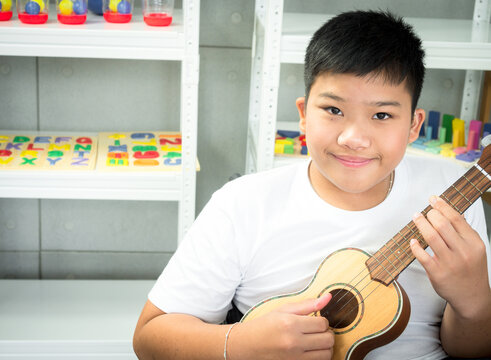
x=342 y=309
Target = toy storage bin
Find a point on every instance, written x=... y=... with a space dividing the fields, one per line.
x=5 y=10
x=117 y=11
x=33 y=11
x=158 y=12
x=71 y=12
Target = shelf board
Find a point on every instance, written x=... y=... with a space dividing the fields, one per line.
x=447 y=42
x=74 y=319
x=94 y=39
x=89 y=184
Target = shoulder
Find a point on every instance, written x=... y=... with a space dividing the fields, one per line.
x=430 y=171
x=265 y=185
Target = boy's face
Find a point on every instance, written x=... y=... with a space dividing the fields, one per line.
x=357 y=130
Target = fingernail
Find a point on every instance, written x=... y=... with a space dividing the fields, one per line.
x=416 y=215
x=412 y=242
x=433 y=199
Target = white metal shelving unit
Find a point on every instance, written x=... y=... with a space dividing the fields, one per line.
x=283 y=37
x=78 y=319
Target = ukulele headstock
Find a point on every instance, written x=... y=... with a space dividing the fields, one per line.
x=485 y=159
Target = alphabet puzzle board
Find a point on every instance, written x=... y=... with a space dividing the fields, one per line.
x=47 y=152
x=139 y=151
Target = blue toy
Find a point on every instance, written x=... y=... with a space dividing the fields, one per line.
x=95 y=6
x=288 y=133
x=33 y=8
x=124 y=7
x=79 y=7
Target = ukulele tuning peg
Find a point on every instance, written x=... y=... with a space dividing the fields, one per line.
x=485 y=141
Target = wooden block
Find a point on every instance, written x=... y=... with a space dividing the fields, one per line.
x=289 y=149
x=434 y=123
x=140 y=151
x=460 y=150
x=447 y=153
x=458 y=128
x=48 y=152
x=288 y=133
x=279 y=148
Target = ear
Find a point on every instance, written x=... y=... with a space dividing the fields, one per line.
x=417 y=122
x=300 y=102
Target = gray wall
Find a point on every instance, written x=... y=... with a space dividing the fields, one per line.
x=114 y=239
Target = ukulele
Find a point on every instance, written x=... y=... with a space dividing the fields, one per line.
x=369 y=308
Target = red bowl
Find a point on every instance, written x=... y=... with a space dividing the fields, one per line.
x=115 y=17
x=157 y=19
x=5 y=15
x=72 y=19
x=33 y=19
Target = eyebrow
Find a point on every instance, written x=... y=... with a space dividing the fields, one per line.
x=374 y=103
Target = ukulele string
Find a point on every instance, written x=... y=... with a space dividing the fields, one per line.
x=418 y=237
x=382 y=269
x=411 y=227
x=461 y=198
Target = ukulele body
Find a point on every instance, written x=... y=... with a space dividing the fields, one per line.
x=364 y=314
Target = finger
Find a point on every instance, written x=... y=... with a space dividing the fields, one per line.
x=457 y=220
x=430 y=235
x=317 y=355
x=308 y=306
x=323 y=341
x=425 y=259
x=445 y=229
x=313 y=324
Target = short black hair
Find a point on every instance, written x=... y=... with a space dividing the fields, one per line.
x=367 y=42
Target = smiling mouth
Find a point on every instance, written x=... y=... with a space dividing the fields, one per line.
x=352 y=161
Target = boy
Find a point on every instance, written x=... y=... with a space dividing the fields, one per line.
x=265 y=234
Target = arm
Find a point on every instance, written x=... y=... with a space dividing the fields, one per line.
x=467 y=336
x=287 y=334
x=458 y=273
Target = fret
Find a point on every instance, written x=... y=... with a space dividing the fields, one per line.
x=470 y=202
x=390 y=262
x=451 y=203
x=483 y=171
x=409 y=256
x=393 y=253
x=470 y=182
x=387 y=271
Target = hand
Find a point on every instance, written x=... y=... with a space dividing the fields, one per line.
x=287 y=333
x=458 y=268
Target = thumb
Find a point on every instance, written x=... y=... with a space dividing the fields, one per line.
x=308 y=306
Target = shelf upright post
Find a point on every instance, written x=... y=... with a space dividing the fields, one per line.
x=474 y=78
x=189 y=115
x=265 y=79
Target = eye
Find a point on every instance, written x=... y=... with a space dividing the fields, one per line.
x=382 y=116
x=333 y=110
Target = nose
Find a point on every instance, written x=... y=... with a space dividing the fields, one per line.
x=354 y=136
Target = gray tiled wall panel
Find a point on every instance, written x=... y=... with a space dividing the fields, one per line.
x=19 y=224
x=452 y=9
x=102 y=265
x=227 y=23
x=19 y=265
x=18 y=95
x=108 y=95
x=109 y=225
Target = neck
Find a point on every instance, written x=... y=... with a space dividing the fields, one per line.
x=343 y=198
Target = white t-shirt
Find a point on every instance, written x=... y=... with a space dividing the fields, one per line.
x=265 y=234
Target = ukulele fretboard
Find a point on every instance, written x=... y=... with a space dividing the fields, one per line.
x=388 y=262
